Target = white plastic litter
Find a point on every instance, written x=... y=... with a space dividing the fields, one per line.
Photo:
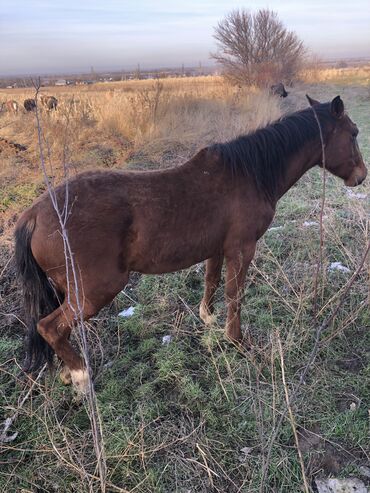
x=334 y=485
x=245 y=451
x=353 y=406
x=308 y=224
x=127 y=313
x=166 y=340
x=339 y=267
x=365 y=471
x=356 y=195
x=274 y=228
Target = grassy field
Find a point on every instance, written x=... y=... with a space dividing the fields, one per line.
x=343 y=76
x=191 y=413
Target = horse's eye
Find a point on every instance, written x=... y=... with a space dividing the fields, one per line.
x=355 y=133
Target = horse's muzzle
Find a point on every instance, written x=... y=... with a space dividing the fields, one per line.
x=354 y=181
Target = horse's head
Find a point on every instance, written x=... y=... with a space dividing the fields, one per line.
x=342 y=154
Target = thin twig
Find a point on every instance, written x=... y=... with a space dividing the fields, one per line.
x=72 y=275
x=323 y=198
x=291 y=415
x=6 y=265
x=4 y=437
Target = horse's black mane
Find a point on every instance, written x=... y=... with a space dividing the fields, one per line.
x=263 y=154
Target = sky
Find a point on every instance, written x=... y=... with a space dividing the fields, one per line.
x=57 y=36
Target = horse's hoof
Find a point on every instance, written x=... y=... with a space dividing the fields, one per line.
x=246 y=344
x=81 y=381
x=236 y=341
x=65 y=376
x=206 y=317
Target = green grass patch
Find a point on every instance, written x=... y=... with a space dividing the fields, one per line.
x=18 y=197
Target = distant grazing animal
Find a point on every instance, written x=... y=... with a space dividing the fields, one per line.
x=216 y=206
x=49 y=102
x=29 y=104
x=279 y=90
x=10 y=106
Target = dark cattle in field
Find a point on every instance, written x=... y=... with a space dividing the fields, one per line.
x=10 y=106
x=279 y=90
x=49 y=102
x=29 y=104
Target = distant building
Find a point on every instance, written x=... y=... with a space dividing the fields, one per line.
x=61 y=82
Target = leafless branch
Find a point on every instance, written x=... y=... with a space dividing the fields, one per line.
x=74 y=283
x=257 y=48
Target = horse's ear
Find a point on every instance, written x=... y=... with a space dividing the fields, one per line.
x=337 y=107
x=312 y=102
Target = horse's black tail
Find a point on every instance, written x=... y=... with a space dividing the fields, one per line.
x=39 y=297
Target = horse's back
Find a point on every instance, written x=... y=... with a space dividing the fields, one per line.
x=144 y=219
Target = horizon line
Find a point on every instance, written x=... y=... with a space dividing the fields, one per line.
x=145 y=68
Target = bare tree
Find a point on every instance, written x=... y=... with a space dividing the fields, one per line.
x=257 y=48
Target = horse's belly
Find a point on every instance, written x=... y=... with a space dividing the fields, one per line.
x=158 y=257
x=168 y=265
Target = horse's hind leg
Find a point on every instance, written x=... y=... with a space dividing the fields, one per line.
x=56 y=329
x=212 y=279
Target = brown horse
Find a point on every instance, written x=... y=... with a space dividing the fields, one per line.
x=10 y=106
x=49 y=102
x=215 y=207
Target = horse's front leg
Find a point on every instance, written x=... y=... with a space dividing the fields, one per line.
x=212 y=279
x=237 y=263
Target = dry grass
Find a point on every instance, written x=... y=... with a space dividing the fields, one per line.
x=149 y=121
x=348 y=75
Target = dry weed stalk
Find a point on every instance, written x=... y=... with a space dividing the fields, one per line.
x=72 y=275
x=4 y=437
x=291 y=415
x=323 y=199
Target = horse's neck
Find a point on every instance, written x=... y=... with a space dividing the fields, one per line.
x=305 y=159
